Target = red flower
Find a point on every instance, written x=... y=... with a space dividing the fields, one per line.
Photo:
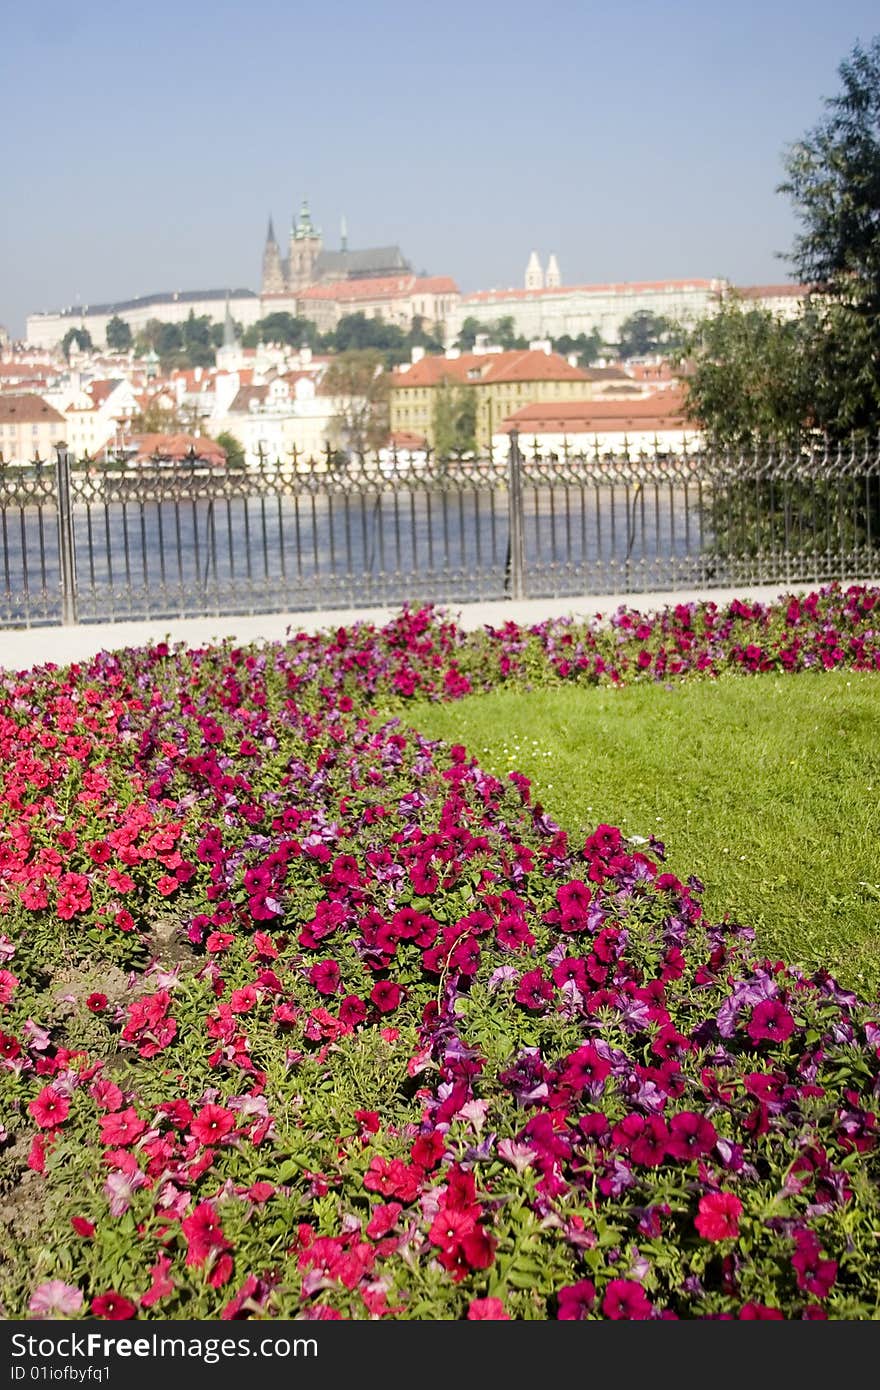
x=383 y=1219
x=97 y=1003
x=121 y=1128
x=204 y=1233
x=325 y=976
x=534 y=991
x=211 y=1124
x=386 y=996
x=718 y=1217
x=50 y=1108
x=487 y=1310
x=83 y=1228
x=113 y=1306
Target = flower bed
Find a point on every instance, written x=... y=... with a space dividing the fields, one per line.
x=305 y=1016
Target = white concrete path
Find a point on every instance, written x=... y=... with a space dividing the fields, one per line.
x=23 y=648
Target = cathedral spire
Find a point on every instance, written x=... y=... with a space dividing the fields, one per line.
x=343 y=233
x=270 y=233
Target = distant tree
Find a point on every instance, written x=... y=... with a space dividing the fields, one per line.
x=645 y=334
x=418 y=336
x=455 y=419
x=147 y=339
x=80 y=336
x=360 y=387
x=234 y=449
x=157 y=418
x=281 y=328
x=119 y=338
x=197 y=346
x=170 y=340
x=586 y=346
x=359 y=332
x=468 y=333
x=503 y=332
x=218 y=332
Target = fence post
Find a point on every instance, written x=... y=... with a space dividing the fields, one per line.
x=516 y=547
x=66 y=552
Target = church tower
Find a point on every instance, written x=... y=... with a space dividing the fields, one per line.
x=273 y=275
x=534 y=273
x=553 y=278
x=305 y=248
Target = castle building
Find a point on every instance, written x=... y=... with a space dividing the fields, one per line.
x=309 y=263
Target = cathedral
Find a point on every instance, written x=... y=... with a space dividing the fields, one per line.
x=307 y=263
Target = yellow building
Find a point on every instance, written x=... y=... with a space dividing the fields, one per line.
x=29 y=429
x=503 y=381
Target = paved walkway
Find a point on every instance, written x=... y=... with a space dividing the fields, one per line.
x=22 y=648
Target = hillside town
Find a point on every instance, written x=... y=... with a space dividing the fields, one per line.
x=351 y=349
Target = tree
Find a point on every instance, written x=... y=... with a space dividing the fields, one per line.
x=234 y=449
x=360 y=386
x=833 y=179
x=645 y=334
x=156 y=418
x=281 y=328
x=503 y=332
x=197 y=346
x=119 y=337
x=80 y=336
x=586 y=346
x=468 y=334
x=455 y=419
x=748 y=376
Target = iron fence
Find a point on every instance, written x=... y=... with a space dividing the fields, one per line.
x=87 y=543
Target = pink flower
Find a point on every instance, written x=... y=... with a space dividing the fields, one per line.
x=576 y=1301
x=718 y=1216
x=55 y=1299
x=487 y=1310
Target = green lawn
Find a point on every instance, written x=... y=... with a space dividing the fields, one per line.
x=768 y=789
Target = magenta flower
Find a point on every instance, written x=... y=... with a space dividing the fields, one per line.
x=770 y=1022
x=624 y=1299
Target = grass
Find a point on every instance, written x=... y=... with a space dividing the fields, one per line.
x=768 y=789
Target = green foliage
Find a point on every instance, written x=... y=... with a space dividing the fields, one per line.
x=119 y=335
x=501 y=332
x=455 y=419
x=360 y=385
x=234 y=449
x=587 y=346
x=281 y=328
x=749 y=376
x=645 y=334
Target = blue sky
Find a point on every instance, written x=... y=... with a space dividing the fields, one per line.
x=146 y=144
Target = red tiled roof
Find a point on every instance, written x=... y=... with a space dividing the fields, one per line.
x=787 y=291
x=100 y=390
x=518 y=365
x=177 y=446
x=405 y=439
x=382 y=287
x=661 y=412
x=28 y=410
